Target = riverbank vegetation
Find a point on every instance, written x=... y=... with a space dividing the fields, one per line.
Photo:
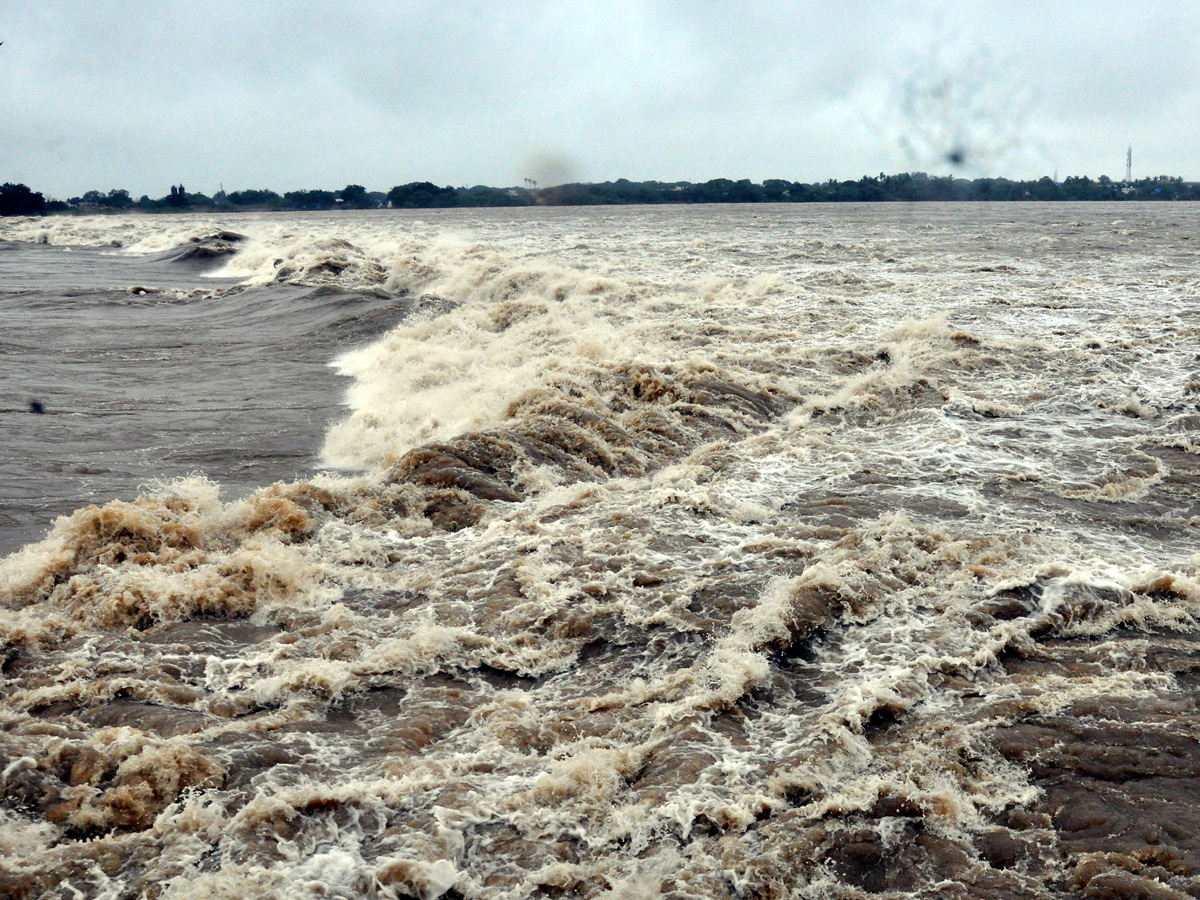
x=17 y=199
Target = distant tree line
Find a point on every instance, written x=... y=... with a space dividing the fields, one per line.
x=907 y=187
x=17 y=199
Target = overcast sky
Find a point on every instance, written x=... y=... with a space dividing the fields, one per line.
x=143 y=94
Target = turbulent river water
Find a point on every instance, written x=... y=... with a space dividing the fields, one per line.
x=685 y=552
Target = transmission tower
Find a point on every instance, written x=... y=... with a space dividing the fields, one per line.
x=1129 y=164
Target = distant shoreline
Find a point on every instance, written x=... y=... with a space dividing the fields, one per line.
x=915 y=187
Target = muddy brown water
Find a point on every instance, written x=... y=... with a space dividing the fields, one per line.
x=695 y=553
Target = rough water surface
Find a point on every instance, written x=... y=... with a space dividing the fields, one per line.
x=740 y=552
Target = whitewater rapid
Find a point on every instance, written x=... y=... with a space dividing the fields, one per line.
x=761 y=551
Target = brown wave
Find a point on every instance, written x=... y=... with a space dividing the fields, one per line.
x=866 y=706
x=636 y=420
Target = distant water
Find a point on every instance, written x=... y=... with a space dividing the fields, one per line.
x=687 y=552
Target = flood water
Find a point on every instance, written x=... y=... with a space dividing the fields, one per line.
x=688 y=552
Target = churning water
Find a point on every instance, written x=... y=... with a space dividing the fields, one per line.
x=693 y=552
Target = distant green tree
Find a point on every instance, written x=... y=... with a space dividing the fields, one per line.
x=117 y=199
x=1079 y=188
x=568 y=195
x=313 y=199
x=776 y=190
x=355 y=196
x=1045 y=189
x=262 y=197
x=19 y=200
x=1161 y=187
x=994 y=189
x=481 y=195
x=716 y=190
x=422 y=195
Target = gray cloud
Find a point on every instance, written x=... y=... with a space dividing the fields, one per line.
x=144 y=94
